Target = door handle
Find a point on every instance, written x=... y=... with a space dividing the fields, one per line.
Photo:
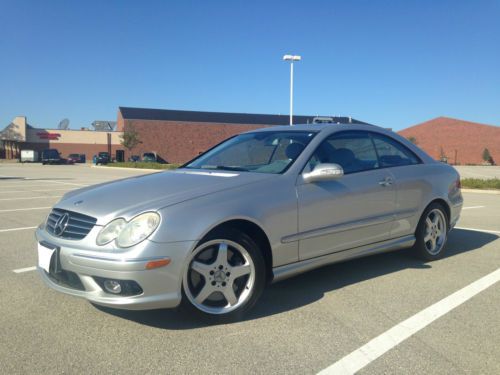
x=388 y=181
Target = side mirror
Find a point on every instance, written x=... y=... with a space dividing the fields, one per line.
x=324 y=172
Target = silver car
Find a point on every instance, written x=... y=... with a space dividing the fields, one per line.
x=259 y=207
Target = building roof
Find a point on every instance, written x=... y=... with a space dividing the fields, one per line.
x=461 y=142
x=11 y=133
x=221 y=117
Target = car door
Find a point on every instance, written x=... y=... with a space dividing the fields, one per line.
x=353 y=210
x=410 y=182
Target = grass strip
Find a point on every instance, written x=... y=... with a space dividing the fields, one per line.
x=477 y=183
x=143 y=165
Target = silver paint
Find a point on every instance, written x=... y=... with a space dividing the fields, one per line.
x=308 y=224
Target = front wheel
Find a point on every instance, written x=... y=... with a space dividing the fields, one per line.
x=432 y=233
x=224 y=277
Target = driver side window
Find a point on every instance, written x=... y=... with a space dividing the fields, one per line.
x=353 y=151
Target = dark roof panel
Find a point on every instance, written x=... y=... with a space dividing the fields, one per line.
x=220 y=117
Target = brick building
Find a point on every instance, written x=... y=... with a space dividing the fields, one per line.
x=175 y=136
x=178 y=136
x=461 y=142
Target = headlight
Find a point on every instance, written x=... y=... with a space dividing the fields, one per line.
x=138 y=229
x=131 y=233
x=110 y=231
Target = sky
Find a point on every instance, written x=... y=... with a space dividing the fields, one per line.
x=390 y=63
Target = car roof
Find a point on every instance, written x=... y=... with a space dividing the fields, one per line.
x=325 y=127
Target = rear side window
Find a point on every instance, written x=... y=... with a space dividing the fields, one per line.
x=392 y=153
x=353 y=151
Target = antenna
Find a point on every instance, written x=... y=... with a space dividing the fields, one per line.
x=63 y=124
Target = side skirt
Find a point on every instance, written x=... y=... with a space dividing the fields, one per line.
x=293 y=269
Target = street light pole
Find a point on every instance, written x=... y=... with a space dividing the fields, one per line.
x=291 y=58
x=291 y=93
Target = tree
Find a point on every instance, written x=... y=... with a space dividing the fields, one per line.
x=412 y=140
x=442 y=155
x=130 y=137
x=486 y=155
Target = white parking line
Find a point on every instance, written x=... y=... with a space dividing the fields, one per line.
x=369 y=352
x=21 y=185
x=15 y=229
x=471 y=207
x=480 y=230
x=25 y=209
x=24 y=198
x=64 y=183
x=33 y=190
x=27 y=269
x=45 y=181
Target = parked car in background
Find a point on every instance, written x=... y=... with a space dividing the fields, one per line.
x=134 y=158
x=260 y=207
x=77 y=158
x=149 y=157
x=52 y=156
x=103 y=158
x=29 y=156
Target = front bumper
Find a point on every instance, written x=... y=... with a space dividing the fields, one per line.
x=161 y=287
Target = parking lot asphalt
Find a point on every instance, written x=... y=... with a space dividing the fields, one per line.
x=300 y=325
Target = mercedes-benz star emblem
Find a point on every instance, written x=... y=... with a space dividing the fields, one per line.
x=61 y=224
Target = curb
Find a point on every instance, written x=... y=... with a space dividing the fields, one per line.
x=481 y=191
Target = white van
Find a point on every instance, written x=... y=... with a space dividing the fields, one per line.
x=30 y=156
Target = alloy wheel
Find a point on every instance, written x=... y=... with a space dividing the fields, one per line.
x=220 y=277
x=435 y=231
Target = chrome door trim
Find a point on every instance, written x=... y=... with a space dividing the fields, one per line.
x=293 y=269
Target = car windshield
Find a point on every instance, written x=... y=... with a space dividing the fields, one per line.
x=103 y=154
x=262 y=152
x=74 y=155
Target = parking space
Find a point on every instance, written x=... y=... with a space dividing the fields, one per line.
x=301 y=325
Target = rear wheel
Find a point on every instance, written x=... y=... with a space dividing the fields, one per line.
x=224 y=277
x=432 y=233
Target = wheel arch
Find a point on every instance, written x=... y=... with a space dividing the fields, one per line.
x=254 y=231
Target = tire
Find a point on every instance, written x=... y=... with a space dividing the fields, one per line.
x=432 y=233
x=224 y=276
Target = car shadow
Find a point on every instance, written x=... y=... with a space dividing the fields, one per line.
x=311 y=286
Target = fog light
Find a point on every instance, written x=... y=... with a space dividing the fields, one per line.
x=112 y=286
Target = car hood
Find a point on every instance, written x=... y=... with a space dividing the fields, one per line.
x=128 y=197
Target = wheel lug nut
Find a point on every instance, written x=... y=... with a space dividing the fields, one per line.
x=213 y=283
x=228 y=274
x=221 y=267
x=211 y=272
x=223 y=284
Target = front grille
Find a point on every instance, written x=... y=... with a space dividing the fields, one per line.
x=78 y=227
